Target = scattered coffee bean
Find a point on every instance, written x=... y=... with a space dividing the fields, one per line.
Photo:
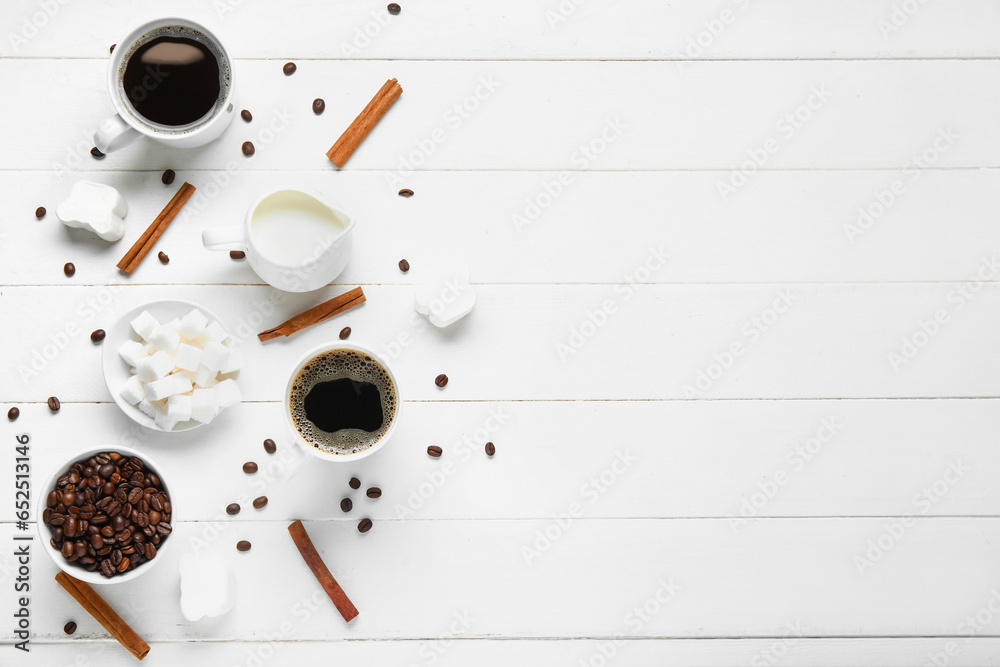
x=270 y=447
x=434 y=451
x=249 y=467
x=40 y=212
x=393 y=8
x=318 y=106
x=168 y=177
x=13 y=414
x=260 y=503
x=164 y=258
x=346 y=505
x=345 y=332
x=441 y=380
x=246 y=115
x=53 y=404
x=237 y=254
x=69 y=269
x=96 y=153
x=490 y=449
x=374 y=492
x=243 y=545
x=355 y=483
x=404 y=266
x=364 y=525
x=289 y=69
x=69 y=628
x=248 y=148
x=406 y=192
x=97 y=335
x=232 y=509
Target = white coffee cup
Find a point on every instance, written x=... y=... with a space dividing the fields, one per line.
x=294 y=239
x=128 y=125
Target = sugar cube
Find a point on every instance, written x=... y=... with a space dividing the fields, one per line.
x=204 y=405
x=214 y=332
x=132 y=391
x=149 y=349
x=229 y=393
x=214 y=355
x=178 y=383
x=165 y=338
x=192 y=324
x=234 y=361
x=132 y=352
x=144 y=324
x=179 y=407
x=165 y=421
x=155 y=367
x=205 y=377
x=146 y=407
x=187 y=357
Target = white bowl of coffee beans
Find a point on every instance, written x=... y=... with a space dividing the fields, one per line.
x=105 y=516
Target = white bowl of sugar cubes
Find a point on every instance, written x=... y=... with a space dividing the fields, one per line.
x=171 y=366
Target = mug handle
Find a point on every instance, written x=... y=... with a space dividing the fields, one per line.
x=224 y=238
x=114 y=133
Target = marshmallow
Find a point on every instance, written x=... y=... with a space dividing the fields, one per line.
x=144 y=325
x=187 y=357
x=446 y=298
x=155 y=367
x=234 y=361
x=204 y=405
x=165 y=338
x=179 y=407
x=177 y=383
x=205 y=377
x=208 y=587
x=229 y=393
x=96 y=207
x=193 y=324
x=165 y=421
x=132 y=391
x=214 y=355
x=132 y=352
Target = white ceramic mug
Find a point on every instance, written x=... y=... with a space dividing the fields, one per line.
x=294 y=239
x=127 y=124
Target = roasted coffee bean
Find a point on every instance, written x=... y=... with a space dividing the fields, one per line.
x=13 y=414
x=163 y=528
x=149 y=550
x=374 y=492
x=97 y=335
x=107 y=568
x=122 y=566
x=232 y=509
x=135 y=495
x=163 y=257
x=345 y=332
x=355 y=483
x=69 y=269
x=346 y=505
x=168 y=176
x=154 y=517
x=96 y=153
x=237 y=254
x=404 y=266
x=270 y=447
x=364 y=525
x=243 y=545
x=406 y=192
x=53 y=404
x=441 y=380
x=260 y=503
x=289 y=69
x=248 y=148
x=249 y=467
x=40 y=212
x=490 y=449
x=434 y=451
x=318 y=106
x=156 y=502
x=246 y=115
x=69 y=628
x=393 y=8
x=67 y=549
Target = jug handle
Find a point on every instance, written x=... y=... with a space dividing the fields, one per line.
x=224 y=238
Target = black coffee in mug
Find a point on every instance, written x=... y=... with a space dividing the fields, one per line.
x=173 y=80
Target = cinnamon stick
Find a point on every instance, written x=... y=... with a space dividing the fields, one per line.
x=144 y=244
x=105 y=615
x=319 y=569
x=323 y=311
x=363 y=124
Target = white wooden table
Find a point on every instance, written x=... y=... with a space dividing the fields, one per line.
x=735 y=340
